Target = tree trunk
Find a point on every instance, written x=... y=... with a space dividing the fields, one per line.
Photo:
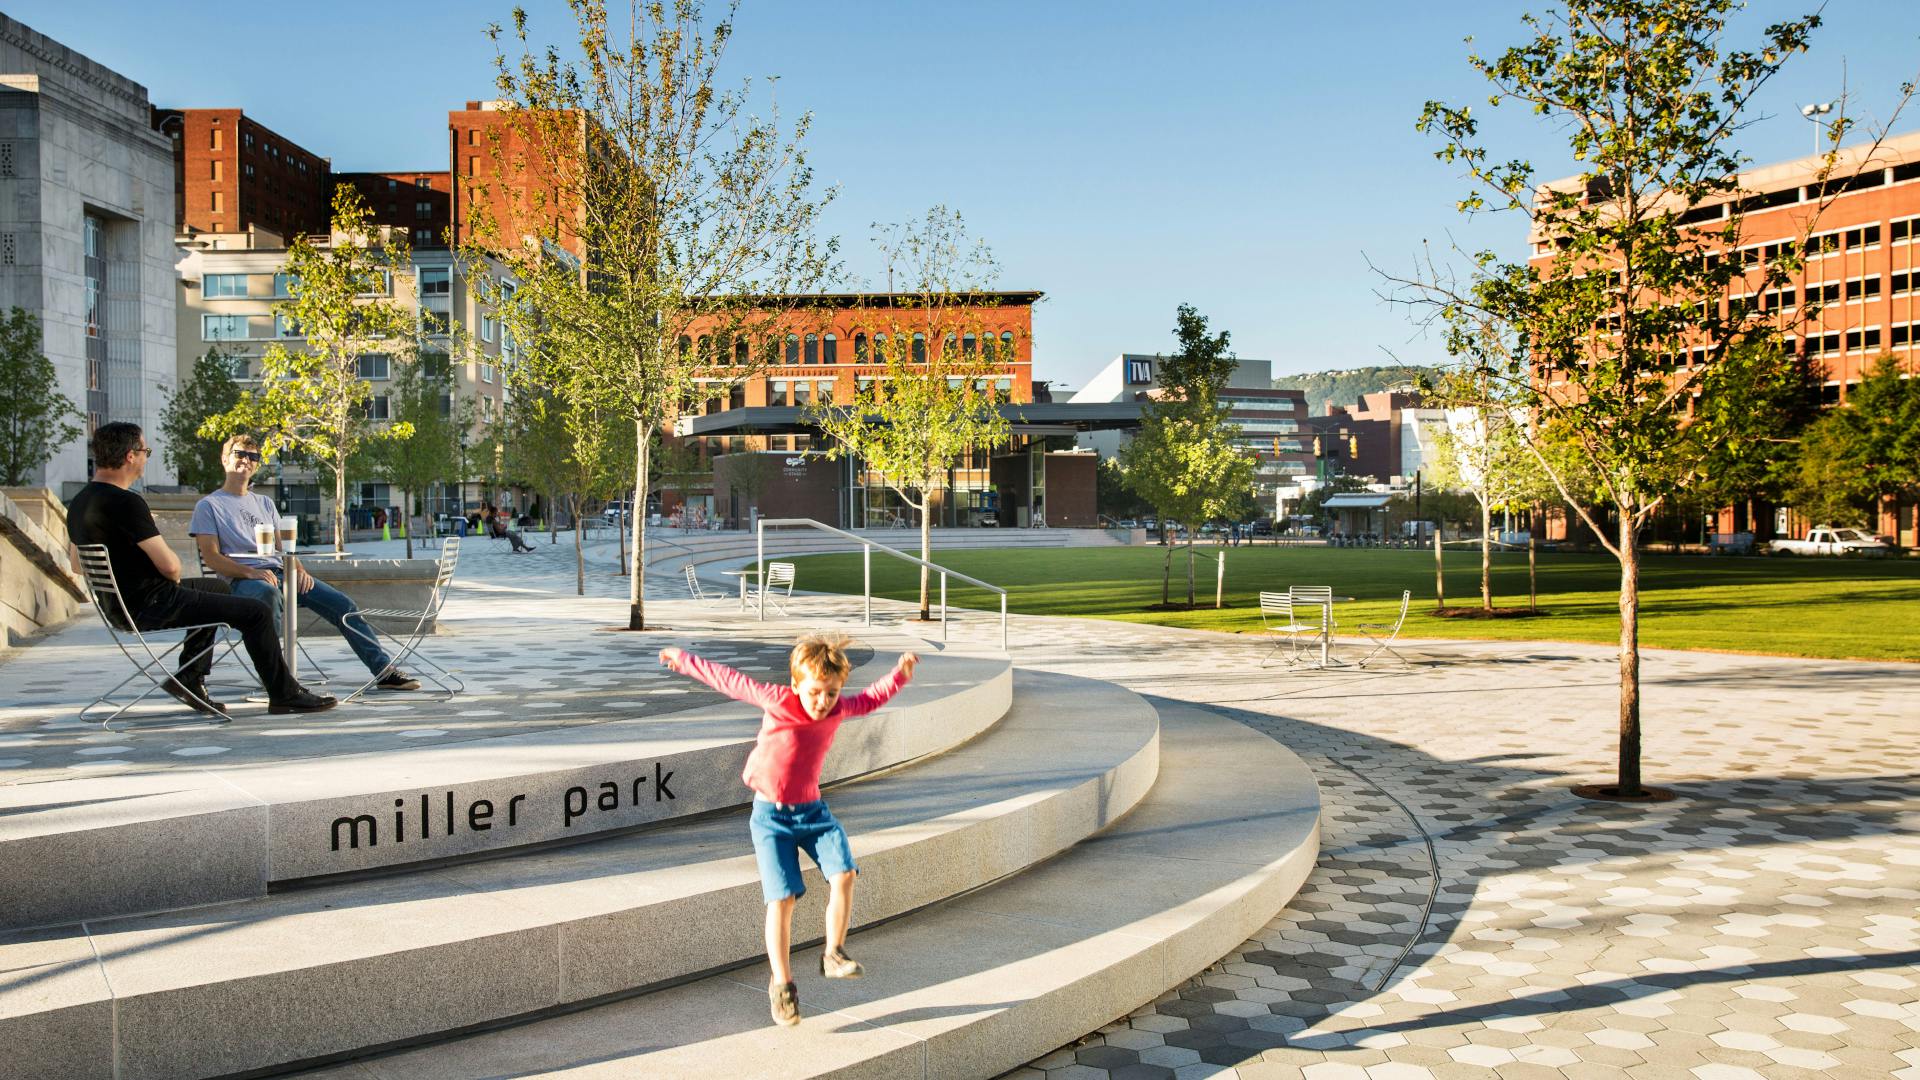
x=1439 y=571
x=553 y=520
x=1189 y=571
x=579 y=552
x=926 y=552
x=1166 y=569
x=1533 y=587
x=406 y=509
x=637 y=584
x=1486 y=557
x=1629 y=779
x=339 y=504
x=620 y=520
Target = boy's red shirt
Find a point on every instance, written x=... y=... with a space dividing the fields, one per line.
x=786 y=759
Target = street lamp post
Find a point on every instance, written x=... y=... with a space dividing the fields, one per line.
x=1813 y=113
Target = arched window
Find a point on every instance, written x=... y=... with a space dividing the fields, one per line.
x=879 y=348
x=947 y=347
x=686 y=348
x=1007 y=352
x=830 y=350
x=813 y=349
x=793 y=349
x=919 y=348
x=704 y=350
x=741 y=351
x=969 y=344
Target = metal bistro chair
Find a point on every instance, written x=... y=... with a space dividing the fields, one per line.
x=97 y=567
x=778 y=574
x=1278 y=616
x=408 y=647
x=1384 y=642
x=696 y=589
x=320 y=677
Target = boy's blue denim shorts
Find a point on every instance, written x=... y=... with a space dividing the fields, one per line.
x=780 y=834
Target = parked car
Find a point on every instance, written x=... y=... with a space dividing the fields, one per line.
x=1826 y=540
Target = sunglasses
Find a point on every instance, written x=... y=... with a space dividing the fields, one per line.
x=247 y=455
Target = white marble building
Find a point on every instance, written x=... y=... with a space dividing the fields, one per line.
x=86 y=234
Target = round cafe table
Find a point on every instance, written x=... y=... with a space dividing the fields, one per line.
x=290 y=599
x=743 y=575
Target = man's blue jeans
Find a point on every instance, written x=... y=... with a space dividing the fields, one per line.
x=332 y=605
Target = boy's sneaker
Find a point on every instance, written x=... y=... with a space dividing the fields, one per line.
x=785 y=1003
x=836 y=964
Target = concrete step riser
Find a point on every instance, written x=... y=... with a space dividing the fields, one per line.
x=116 y=846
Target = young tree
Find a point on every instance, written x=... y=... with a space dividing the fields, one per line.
x=938 y=398
x=210 y=391
x=1184 y=460
x=1484 y=452
x=312 y=397
x=35 y=417
x=1626 y=322
x=421 y=396
x=539 y=446
x=644 y=205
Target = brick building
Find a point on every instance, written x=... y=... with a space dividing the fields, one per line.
x=231 y=173
x=418 y=203
x=1862 y=268
x=480 y=138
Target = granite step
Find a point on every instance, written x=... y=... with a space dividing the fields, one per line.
x=98 y=847
x=985 y=982
x=331 y=970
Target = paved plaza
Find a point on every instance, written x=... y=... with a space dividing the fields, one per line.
x=1468 y=917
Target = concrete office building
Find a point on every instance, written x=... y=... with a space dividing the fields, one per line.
x=86 y=234
x=1273 y=423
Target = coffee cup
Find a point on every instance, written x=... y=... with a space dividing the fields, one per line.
x=263 y=539
x=289 y=533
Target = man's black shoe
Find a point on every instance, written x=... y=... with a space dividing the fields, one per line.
x=304 y=701
x=395 y=679
x=194 y=696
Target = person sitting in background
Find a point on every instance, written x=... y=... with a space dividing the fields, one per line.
x=497 y=524
x=147 y=573
x=222 y=527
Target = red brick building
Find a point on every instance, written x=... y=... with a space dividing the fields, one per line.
x=484 y=146
x=1862 y=268
x=231 y=173
x=419 y=202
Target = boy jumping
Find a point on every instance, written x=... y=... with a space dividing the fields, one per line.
x=789 y=816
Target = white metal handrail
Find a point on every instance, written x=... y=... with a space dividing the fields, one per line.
x=866 y=569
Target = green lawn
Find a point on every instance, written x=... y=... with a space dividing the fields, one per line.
x=1866 y=609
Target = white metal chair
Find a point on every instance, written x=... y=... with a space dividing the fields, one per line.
x=1316 y=594
x=406 y=646
x=778 y=574
x=695 y=588
x=320 y=677
x=97 y=568
x=1280 y=617
x=1384 y=642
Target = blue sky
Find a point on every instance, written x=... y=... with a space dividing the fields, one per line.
x=1124 y=157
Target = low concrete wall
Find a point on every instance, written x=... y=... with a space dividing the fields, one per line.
x=37 y=587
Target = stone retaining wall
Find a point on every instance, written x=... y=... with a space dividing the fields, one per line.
x=37 y=587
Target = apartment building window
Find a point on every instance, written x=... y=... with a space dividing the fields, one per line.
x=473 y=136
x=392 y=184
x=777 y=393
x=436 y=280
x=919 y=348
x=223 y=286
x=1139 y=373
x=879 y=348
x=223 y=328
x=1006 y=346
x=285 y=327
x=741 y=352
x=246 y=140
x=487 y=323
x=423 y=209
x=423 y=238
x=486 y=372
x=823 y=392
x=859 y=348
x=1903 y=282
x=379 y=408
x=969 y=344
x=792 y=354
x=218 y=139
x=813 y=349
x=1901 y=335
x=280 y=283
x=433 y=323
x=1859 y=340
x=375 y=366
x=379 y=285
x=219 y=170
x=1903 y=231
x=219 y=202
x=423 y=181
x=830 y=350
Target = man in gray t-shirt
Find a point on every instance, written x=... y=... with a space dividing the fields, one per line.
x=222 y=527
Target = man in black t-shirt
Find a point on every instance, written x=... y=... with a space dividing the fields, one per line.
x=147 y=572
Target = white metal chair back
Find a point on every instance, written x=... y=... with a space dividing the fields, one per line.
x=780 y=573
x=407 y=642
x=1383 y=634
x=1281 y=616
x=97 y=567
x=694 y=588
x=1315 y=594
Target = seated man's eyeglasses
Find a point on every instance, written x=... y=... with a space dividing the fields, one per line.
x=147 y=450
x=247 y=455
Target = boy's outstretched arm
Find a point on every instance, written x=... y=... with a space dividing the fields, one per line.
x=728 y=681
x=882 y=691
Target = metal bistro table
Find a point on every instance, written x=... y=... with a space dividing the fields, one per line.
x=1326 y=624
x=743 y=574
x=290 y=600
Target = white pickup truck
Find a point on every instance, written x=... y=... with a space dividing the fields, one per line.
x=1825 y=540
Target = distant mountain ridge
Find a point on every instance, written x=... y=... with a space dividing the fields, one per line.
x=1345 y=386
